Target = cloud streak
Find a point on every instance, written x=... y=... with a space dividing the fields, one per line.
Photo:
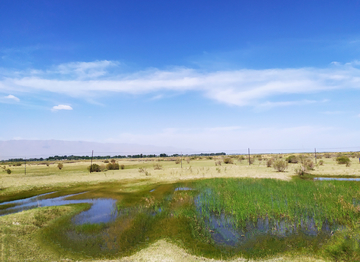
x=11 y=97
x=235 y=87
x=61 y=107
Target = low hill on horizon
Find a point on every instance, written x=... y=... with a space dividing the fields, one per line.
x=44 y=148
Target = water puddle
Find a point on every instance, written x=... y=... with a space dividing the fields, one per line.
x=224 y=230
x=183 y=189
x=102 y=210
x=336 y=178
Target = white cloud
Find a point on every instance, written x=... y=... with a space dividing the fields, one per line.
x=11 y=97
x=244 y=87
x=61 y=107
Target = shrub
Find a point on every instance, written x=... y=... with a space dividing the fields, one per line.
x=292 y=159
x=308 y=164
x=102 y=167
x=112 y=166
x=122 y=166
x=106 y=161
x=228 y=160
x=113 y=161
x=157 y=167
x=327 y=155
x=280 y=165
x=343 y=160
x=300 y=170
x=94 y=168
x=269 y=162
x=218 y=163
x=241 y=158
x=177 y=161
x=60 y=165
x=143 y=170
x=8 y=171
x=321 y=162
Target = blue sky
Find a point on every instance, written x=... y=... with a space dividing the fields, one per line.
x=197 y=75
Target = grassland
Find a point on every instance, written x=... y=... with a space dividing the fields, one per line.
x=41 y=178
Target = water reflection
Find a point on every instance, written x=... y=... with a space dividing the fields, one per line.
x=224 y=230
x=102 y=210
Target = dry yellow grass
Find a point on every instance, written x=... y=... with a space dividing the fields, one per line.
x=72 y=173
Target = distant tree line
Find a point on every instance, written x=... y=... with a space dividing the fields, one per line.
x=72 y=157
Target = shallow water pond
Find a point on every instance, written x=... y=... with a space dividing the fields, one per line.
x=336 y=179
x=219 y=217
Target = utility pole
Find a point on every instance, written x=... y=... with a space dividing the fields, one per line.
x=181 y=159
x=249 y=156
x=92 y=155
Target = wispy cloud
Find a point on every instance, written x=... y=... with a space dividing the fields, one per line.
x=268 y=104
x=234 y=87
x=84 y=70
x=61 y=107
x=11 y=97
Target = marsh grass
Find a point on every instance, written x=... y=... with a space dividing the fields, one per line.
x=250 y=199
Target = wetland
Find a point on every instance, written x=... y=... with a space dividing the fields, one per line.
x=215 y=216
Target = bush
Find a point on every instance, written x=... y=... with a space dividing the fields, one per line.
x=143 y=170
x=8 y=171
x=94 y=168
x=106 y=161
x=60 y=165
x=327 y=155
x=112 y=166
x=280 y=165
x=177 y=161
x=300 y=170
x=103 y=167
x=321 y=162
x=292 y=159
x=122 y=166
x=343 y=160
x=157 y=167
x=308 y=164
x=228 y=160
x=218 y=163
x=269 y=162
